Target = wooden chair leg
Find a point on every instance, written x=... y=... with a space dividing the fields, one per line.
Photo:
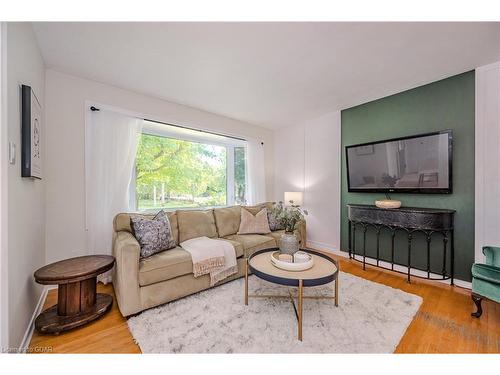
x=477 y=300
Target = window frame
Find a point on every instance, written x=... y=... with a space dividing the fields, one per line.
x=197 y=136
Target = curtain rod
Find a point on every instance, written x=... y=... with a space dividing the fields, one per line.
x=94 y=109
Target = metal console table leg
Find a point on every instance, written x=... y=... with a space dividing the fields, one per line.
x=412 y=220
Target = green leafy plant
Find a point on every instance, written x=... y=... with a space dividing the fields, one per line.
x=192 y=174
x=288 y=216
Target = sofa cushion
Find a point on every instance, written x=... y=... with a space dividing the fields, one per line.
x=272 y=217
x=227 y=220
x=154 y=235
x=165 y=266
x=121 y=222
x=238 y=247
x=172 y=263
x=254 y=209
x=254 y=224
x=252 y=242
x=196 y=223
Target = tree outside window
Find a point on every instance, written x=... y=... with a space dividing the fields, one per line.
x=176 y=173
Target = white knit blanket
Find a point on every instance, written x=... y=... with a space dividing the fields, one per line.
x=210 y=256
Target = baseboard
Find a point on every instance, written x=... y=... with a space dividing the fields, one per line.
x=322 y=246
x=331 y=249
x=31 y=326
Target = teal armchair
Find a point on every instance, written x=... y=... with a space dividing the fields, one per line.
x=486 y=279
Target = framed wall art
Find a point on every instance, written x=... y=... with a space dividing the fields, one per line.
x=31 y=134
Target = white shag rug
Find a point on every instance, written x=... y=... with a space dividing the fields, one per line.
x=370 y=318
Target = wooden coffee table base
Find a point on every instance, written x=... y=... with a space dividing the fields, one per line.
x=50 y=322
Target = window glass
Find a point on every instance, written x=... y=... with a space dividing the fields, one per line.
x=172 y=173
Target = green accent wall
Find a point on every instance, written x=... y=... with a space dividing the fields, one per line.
x=445 y=104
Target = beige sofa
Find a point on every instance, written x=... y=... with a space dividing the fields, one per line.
x=140 y=284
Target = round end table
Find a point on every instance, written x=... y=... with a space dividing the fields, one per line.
x=78 y=302
x=324 y=271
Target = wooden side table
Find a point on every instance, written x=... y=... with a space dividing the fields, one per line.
x=78 y=302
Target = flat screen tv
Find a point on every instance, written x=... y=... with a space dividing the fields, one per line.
x=416 y=164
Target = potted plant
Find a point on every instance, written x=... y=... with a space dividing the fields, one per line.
x=288 y=217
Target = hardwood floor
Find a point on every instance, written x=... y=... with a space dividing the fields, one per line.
x=108 y=334
x=442 y=325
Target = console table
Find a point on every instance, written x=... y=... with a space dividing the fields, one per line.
x=411 y=220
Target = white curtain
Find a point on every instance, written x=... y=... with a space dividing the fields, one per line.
x=112 y=141
x=256 y=176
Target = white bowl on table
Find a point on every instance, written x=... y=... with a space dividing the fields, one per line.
x=302 y=265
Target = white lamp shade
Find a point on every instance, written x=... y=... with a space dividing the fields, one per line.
x=296 y=196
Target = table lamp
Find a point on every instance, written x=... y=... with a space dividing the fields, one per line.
x=296 y=196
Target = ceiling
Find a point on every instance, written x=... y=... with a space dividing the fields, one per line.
x=268 y=74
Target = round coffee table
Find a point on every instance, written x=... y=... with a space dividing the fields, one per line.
x=324 y=271
x=77 y=300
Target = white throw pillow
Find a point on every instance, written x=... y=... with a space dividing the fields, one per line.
x=251 y=224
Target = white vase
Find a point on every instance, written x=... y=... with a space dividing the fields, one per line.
x=289 y=244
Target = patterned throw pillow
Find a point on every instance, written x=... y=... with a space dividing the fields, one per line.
x=154 y=235
x=274 y=223
x=251 y=224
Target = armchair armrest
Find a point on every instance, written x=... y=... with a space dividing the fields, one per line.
x=492 y=254
x=126 y=250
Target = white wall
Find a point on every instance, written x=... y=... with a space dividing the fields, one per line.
x=319 y=165
x=289 y=160
x=66 y=98
x=26 y=197
x=4 y=290
x=307 y=158
x=487 y=166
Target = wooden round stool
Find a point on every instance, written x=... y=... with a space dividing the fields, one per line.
x=77 y=300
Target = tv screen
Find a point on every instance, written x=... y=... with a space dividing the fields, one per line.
x=419 y=164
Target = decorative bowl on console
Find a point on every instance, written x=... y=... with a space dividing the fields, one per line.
x=388 y=203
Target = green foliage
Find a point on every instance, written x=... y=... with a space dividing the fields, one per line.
x=193 y=174
x=288 y=216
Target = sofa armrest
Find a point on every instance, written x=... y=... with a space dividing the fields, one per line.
x=126 y=250
x=300 y=232
x=492 y=254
